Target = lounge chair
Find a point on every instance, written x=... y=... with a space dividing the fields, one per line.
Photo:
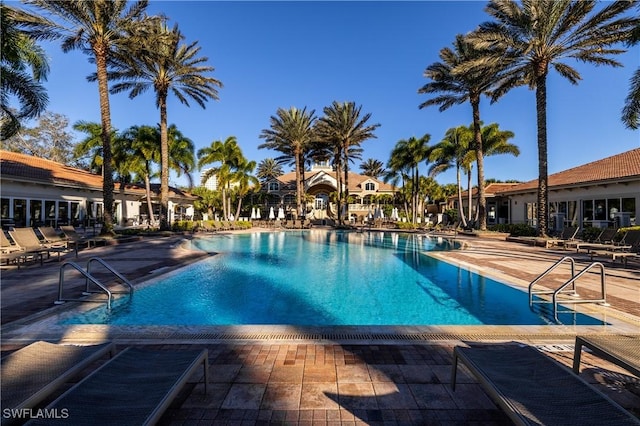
x=29 y=241
x=619 y=349
x=629 y=247
x=534 y=389
x=74 y=238
x=605 y=237
x=568 y=234
x=52 y=238
x=31 y=374
x=133 y=388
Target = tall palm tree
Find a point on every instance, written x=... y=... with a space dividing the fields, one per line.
x=23 y=66
x=631 y=110
x=537 y=35
x=291 y=133
x=167 y=66
x=344 y=129
x=244 y=180
x=229 y=155
x=455 y=88
x=373 y=168
x=105 y=30
x=137 y=150
x=268 y=169
x=91 y=147
x=410 y=153
x=181 y=153
x=454 y=150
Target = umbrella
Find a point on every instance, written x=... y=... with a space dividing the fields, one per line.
x=258 y=215
x=271 y=214
x=280 y=213
x=253 y=213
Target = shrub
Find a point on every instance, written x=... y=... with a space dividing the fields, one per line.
x=515 y=229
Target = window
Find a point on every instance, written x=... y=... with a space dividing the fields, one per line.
x=273 y=186
x=370 y=186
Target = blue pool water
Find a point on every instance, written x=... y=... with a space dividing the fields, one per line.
x=323 y=278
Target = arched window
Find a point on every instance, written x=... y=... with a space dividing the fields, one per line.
x=370 y=186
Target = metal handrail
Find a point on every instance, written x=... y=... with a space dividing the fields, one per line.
x=110 y=269
x=554 y=266
x=603 y=287
x=88 y=277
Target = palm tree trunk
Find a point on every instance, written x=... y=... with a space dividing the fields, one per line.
x=482 y=201
x=469 y=196
x=105 y=118
x=164 y=165
x=299 y=169
x=541 y=109
x=147 y=185
x=346 y=187
x=460 y=207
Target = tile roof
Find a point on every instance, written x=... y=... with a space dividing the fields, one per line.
x=35 y=169
x=620 y=167
x=489 y=190
x=355 y=180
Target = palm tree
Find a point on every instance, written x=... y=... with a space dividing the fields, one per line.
x=91 y=147
x=534 y=36
x=290 y=134
x=229 y=155
x=244 y=181
x=104 y=29
x=268 y=169
x=342 y=128
x=373 y=168
x=455 y=88
x=409 y=153
x=631 y=110
x=136 y=151
x=166 y=66
x=20 y=53
x=181 y=153
x=455 y=150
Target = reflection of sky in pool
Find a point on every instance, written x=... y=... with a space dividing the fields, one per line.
x=323 y=278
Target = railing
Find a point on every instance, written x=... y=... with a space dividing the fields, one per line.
x=110 y=269
x=545 y=273
x=89 y=279
x=603 y=289
x=569 y=286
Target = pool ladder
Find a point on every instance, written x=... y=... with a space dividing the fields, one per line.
x=569 y=287
x=90 y=279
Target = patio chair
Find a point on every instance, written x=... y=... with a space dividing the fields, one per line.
x=605 y=237
x=29 y=241
x=52 y=237
x=133 y=388
x=6 y=246
x=534 y=389
x=568 y=234
x=621 y=350
x=31 y=374
x=630 y=246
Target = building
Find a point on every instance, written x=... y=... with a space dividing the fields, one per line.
x=497 y=204
x=36 y=191
x=601 y=193
x=320 y=182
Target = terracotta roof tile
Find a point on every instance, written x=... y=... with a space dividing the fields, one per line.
x=622 y=166
x=355 y=180
x=36 y=169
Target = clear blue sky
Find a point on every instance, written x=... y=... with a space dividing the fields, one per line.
x=308 y=54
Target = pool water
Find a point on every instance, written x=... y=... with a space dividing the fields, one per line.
x=323 y=278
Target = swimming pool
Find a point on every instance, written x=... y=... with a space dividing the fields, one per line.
x=322 y=277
